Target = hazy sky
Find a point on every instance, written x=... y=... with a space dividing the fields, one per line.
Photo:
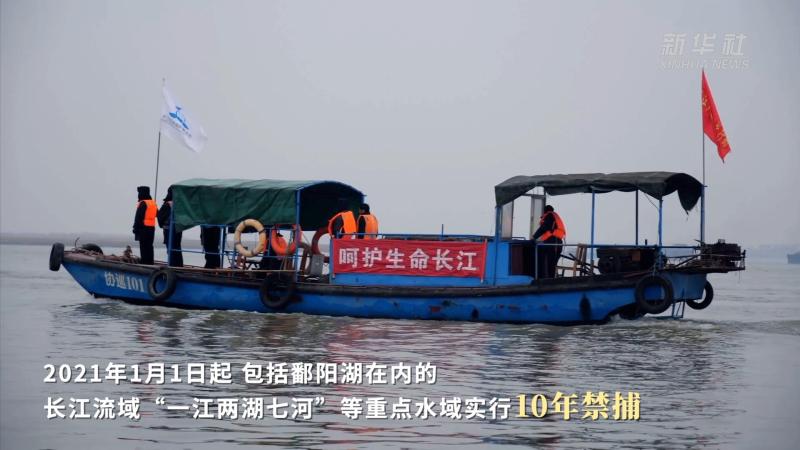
x=423 y=105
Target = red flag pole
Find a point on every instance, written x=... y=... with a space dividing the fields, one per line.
x=703 y=190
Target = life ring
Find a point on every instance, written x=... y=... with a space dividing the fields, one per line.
x=654 y=306
x=708 y=296
x=273 y=301
x=56 y=256
x=170 y=283
x=279 y=246
x=315 y=241
x=262 y=238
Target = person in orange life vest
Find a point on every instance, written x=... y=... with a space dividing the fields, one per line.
x=344 y=222
x=175 y=259
x=367 y=223
x=144 y=224
x=551 y=231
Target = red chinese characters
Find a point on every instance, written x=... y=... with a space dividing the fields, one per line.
x=400 y=257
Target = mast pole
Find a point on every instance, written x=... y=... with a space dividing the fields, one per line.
x=158 y=151
x=660 y=222
x=636 y=192
x=158 y=160
x=592 y=231
x=703 y=189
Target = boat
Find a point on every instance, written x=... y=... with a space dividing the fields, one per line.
x=794 y=258
x=488 y=278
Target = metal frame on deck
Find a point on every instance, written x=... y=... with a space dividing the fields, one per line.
x=592 y=245
x=232 y=255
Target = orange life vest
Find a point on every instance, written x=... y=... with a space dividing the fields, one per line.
x=370 y=226
x=560 y=231
x=348 y=223
x=150 y=213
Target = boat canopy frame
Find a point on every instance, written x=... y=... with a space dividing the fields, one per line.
x=655 y=184
x=222 y=203
x=310 y=204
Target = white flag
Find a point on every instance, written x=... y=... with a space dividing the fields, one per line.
x=176 y=124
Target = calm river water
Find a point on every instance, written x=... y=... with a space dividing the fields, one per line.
x=725 y=377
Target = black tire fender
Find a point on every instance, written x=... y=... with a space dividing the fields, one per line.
x=171 y=280
x=271 y=300
x=56 y=256
x=708 y=296
x=650 y=306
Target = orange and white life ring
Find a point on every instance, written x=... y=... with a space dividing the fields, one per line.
x=262 y=238
x=279 y=245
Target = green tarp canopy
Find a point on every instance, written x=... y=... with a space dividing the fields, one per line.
x=201 y=201
x=654 y=184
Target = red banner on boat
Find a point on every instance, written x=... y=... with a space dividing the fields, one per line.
x=400 y=257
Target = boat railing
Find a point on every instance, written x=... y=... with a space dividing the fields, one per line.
x=584 y=260
x=432 y=237
x=236 y=261
x=593 y=259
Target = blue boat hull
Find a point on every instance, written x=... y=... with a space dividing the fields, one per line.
x=558 y=303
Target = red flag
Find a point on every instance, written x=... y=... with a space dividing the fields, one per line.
x=712 y=124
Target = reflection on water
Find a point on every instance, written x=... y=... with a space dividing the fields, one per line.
x=671 y=363
x=695 y=376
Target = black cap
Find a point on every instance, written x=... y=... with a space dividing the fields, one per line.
x=168 y=198
x=548 y=208
x=144 y=192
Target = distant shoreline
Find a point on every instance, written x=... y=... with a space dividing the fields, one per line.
x=68 y=239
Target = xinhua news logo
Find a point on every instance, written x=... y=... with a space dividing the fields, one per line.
x=725 y=51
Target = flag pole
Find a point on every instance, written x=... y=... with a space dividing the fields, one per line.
x=158 y=160
x=703 y=197
x=703 y=189
x=158 y=151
